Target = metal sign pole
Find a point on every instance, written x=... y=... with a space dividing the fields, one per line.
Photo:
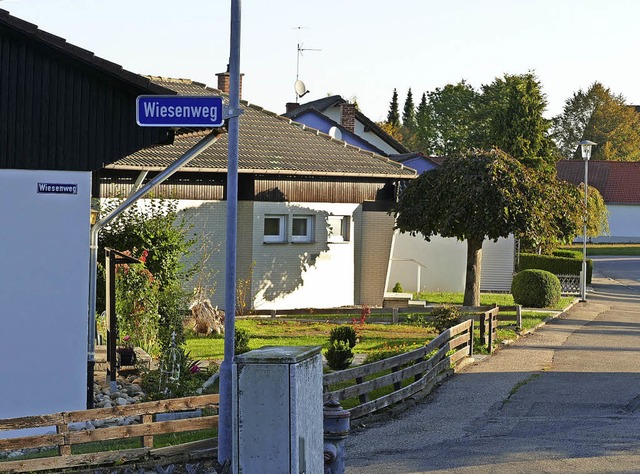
x=225 y=450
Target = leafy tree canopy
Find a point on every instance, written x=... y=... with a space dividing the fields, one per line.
x=603 y=117
x=506 y=114
x=157 y=229
x=511 y=119
x=451 y=119
x=486 y=195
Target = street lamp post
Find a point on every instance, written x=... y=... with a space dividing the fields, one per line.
x=585 y=146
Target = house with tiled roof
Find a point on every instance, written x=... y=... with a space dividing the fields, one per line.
x=63 y=114
x=619 y=184
x=313 y=222
x=418 y=265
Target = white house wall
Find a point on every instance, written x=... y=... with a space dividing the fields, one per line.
x=624 y=222
x=318 y=274
x=284 y=275
x=440 y=265
x=44 y=274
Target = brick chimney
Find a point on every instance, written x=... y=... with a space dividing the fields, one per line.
x=224 y=79
x=291 y=106
x=348 y=116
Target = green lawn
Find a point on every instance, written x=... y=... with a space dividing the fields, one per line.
x=607 y=249
x=486 y=299
x=374 y=337
x=267 y=332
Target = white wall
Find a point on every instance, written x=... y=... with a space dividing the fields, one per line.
x=298 y=275
x=442 y=263
x=44 y=280
x=286 y=275
x=624 y=222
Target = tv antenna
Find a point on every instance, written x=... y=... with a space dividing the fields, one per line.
x=299 y=86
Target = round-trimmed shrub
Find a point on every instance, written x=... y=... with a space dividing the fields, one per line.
x=536 y=288
x=397 y=288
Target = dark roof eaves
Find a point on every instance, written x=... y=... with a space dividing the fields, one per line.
x=318 y=104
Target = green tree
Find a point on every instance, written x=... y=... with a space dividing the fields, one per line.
x=511 y=118
x=420 y=140
x=559 y=214
x=452 y=118
x=409 y=112
x=393 y=117
x=156 y=228
x=601 y=116
x=506 y=114
x=597 y=212
x=482 y=195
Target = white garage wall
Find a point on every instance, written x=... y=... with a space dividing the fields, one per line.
x=624 y=222
x=442 y=264
x=44 y=274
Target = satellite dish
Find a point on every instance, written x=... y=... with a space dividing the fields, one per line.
x=300 y=88
x=334 y=132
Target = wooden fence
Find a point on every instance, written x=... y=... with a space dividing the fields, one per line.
x=401 y=376
x=367 y=388
x=64 y=440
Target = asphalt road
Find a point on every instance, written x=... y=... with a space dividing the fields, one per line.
x=565 y=399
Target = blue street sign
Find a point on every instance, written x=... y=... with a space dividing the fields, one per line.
x=179 y=111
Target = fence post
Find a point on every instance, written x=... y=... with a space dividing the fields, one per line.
x=519 y=316
x=483 y=328
x=490 y=343
x=63 y=429
x=394 y=317
x=336 y=430
x=472 y=321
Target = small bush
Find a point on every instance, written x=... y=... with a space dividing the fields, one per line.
x=445 y=317
x=343 y=333
x=185 y=378
x=241 y=342
x=418 y=320
x=536 y=288
x=398 y=288
x=339 y=355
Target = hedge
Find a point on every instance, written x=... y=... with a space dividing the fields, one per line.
x=568 y=253
x=555 y=265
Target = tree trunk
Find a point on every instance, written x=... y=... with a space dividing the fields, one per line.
x=474 y=266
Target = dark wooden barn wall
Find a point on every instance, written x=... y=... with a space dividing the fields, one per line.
x=324 y=189
x=179 y=186
x=58 y=113
x=262 y=188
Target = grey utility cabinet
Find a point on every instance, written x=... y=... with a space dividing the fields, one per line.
x=277 y=411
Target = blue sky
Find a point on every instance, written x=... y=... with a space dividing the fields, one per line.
x=368 y=47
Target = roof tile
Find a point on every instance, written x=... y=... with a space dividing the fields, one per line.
x=269 y=143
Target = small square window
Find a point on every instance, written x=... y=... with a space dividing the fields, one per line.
x=301 y=229
x=274 y=229
x=338 y=228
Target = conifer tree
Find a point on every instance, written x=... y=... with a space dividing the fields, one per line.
x=393 y=117
x=409 y=112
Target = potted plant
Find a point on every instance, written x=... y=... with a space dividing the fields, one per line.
x=126 y=352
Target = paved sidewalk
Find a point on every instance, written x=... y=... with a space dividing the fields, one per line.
x=563 y=399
